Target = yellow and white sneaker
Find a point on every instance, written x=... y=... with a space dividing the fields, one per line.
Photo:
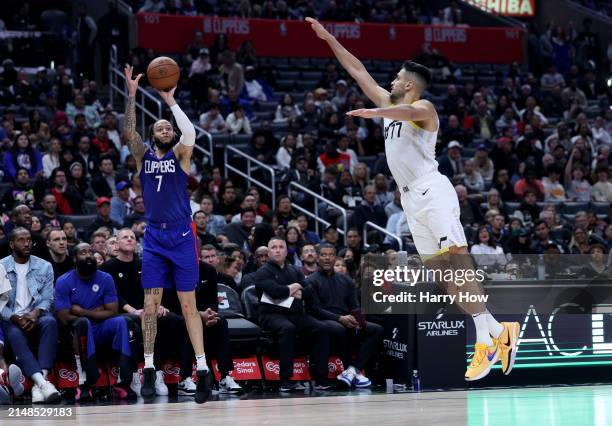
x=507 y=345
x=483 y=359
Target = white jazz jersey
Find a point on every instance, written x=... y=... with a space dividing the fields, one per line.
x=428 y=197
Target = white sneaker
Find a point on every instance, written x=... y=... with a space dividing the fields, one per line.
x=160 y=387
x=50 y=393
x=16 y=379
x=136 y=385
x=187 y=387
x=37 y=395
x=361 y=381
x=347 y=376
x=229 y=385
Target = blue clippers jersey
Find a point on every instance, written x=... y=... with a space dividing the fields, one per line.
x=164 y=188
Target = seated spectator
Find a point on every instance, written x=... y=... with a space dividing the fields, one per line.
x=256 y=89
x=284 y=211
x=473 y=180
x=216 y=223
x=529 y=182
x=498 y=233
x=484 y=123
x=103 y=218
x=51 y=160
x=579 y=244
x=551 y=78
x=285 y=152
x=104 y=185
x=260 y=148
x=238 y=123
x=200 y=219
x=483 y=164
x=578 y=187
x=542 y=239
x=455 y=132
x=394 y=206
x=138 y=212
x=553 y=190
x=120 y=204
x=368 y=211
x=278 y=281
x=92 y=315
x=238 y=232
x=309 y=236
x=21 y=216
x=451 y=165
x=212 y=121
x=332 y=157
x=598 y=265
x=309 y=258
x=602 y=190
x=469 y=209
x=600 y=135
x=232 y=73
x=336 y=306
x=228 y=206
x=68 y=197
x=49 y=214
x=57 y=243
x=27 y=316
x=519 y=242
x=79 y=107
x=383 y=195
x=286 y=110
x=22 y=155
x=486 y=252
x=22 y=192
x=343 y=148
x=529 y=208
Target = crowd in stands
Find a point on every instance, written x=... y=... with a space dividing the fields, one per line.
x=404 y=11
x=529 y=158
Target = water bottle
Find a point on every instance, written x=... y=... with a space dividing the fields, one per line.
x=541 y=268
x=416 y=382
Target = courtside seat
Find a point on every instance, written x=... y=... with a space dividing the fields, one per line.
x=230 y=308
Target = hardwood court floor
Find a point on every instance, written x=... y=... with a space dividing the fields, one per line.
x=584 y=405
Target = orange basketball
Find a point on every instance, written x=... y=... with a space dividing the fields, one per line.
x=163 y=73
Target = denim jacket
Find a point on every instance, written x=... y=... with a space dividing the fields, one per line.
x=40 y=285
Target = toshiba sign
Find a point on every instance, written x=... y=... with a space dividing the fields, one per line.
x=505 y=7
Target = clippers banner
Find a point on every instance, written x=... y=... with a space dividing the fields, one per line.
x=279 y=38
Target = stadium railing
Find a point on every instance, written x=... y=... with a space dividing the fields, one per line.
x=252 y=164
x=369 y=224
x=317 y=199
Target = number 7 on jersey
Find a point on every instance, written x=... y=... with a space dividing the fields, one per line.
x=159 y=178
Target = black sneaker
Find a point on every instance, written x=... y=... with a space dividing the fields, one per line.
x=203 y=386
x=84 y=393
x=147 y=390
x=289 y=386
x=121 y=391
x=321 y=386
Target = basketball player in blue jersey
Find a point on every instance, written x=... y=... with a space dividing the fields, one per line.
x=169 y=252
x=428 y=198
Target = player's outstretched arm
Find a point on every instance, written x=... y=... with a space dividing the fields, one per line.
x=353 y=66
x=421 y=110
x=185 y=146
x=134 y=140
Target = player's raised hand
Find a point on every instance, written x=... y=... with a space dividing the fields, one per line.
x=319 y=29
x=131 y=83
x=364 y=112
x=167 y=96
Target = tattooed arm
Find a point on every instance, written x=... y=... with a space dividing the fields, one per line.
x=134 y=140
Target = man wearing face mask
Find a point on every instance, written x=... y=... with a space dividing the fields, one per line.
x=86 y=301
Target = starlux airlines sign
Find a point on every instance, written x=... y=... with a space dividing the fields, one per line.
x=521 y=8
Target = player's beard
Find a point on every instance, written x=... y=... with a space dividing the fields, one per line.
x=397 y=95
x=164 y=146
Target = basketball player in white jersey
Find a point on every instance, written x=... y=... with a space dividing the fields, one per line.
x=428 y=197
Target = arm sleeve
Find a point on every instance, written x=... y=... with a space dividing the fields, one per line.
x=185 y=126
